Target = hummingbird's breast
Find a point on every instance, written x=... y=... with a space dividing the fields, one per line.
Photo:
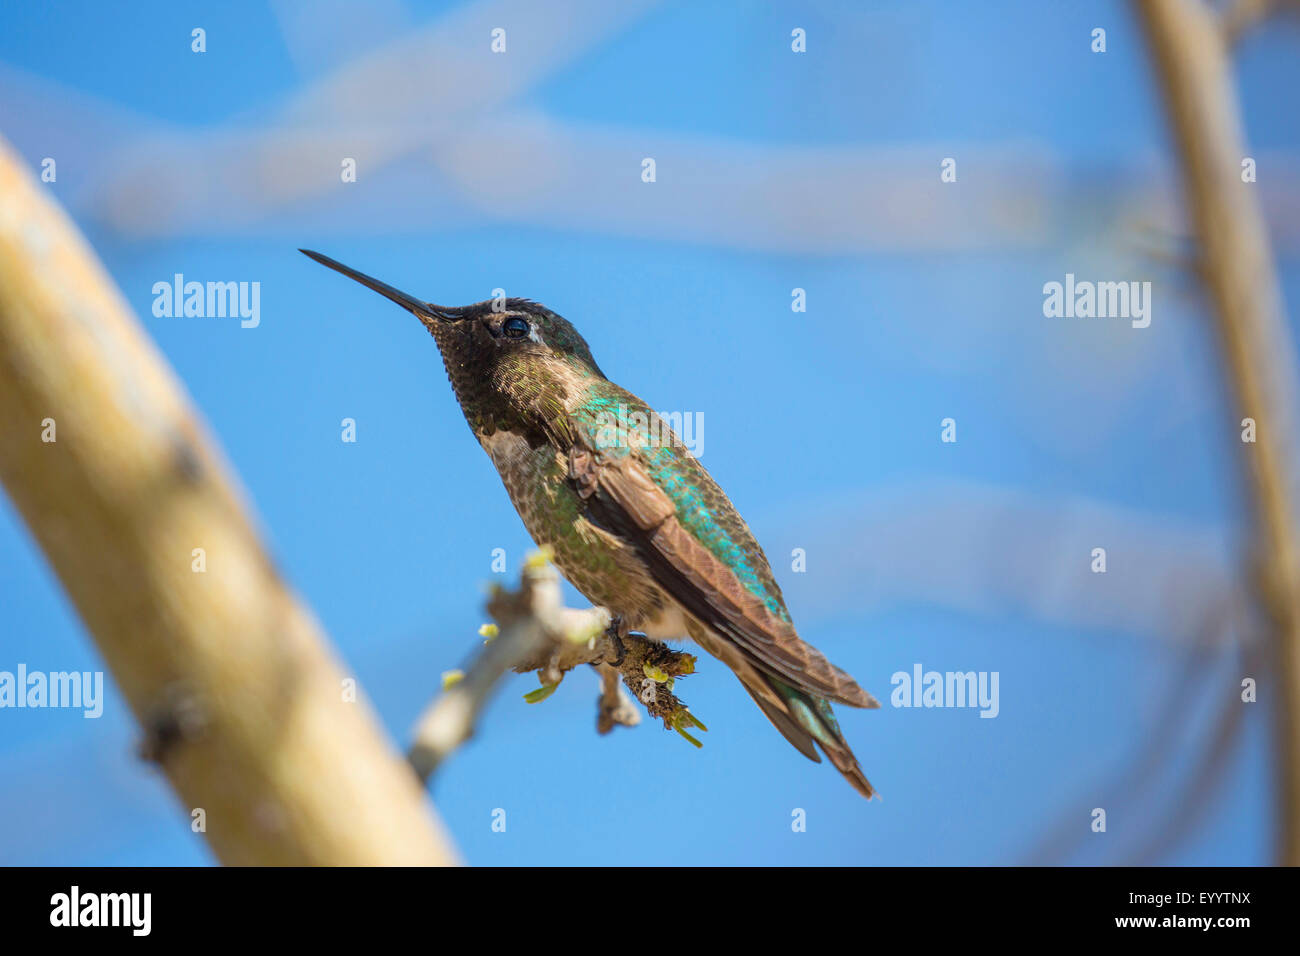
x=604 y=568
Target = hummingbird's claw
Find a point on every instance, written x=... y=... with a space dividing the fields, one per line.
x=615 y=633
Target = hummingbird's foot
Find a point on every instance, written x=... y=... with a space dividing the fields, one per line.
x=615 y=632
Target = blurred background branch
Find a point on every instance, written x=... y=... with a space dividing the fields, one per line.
x=1236 y=265
x=242 y=704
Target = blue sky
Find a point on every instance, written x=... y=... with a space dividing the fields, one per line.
x=924 y=302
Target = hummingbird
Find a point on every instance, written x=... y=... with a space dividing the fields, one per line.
x=633 y=520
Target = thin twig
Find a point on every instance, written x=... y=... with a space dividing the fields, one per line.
x=529 y=621
x=536 y=632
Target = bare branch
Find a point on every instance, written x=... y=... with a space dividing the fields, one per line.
x=243 y=705
x=530 y=621
x=536 y=632
x=615 y=708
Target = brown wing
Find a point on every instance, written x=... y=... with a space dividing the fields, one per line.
x=621 y=497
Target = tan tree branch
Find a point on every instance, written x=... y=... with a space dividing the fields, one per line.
x=535 y=632
x=1192 y=64
x=242 y=703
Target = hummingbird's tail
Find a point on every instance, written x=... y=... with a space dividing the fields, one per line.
x=803 y=719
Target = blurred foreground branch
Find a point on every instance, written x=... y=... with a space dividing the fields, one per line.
x=242 y=704
x=1191 y=61
x=535 y=632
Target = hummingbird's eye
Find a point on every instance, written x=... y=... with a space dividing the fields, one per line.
x=515 y=327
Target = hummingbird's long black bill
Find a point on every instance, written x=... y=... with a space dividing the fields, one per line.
x=422 y=310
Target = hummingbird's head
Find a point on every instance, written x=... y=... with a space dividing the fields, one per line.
x=512 y=362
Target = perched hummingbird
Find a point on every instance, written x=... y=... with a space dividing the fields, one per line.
x=636 y=524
